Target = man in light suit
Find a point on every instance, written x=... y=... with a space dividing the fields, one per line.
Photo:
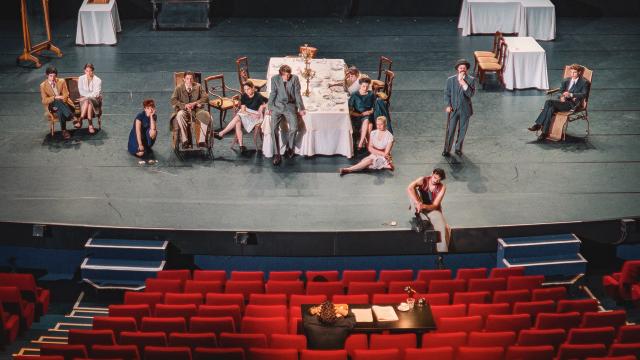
x=285 y=101
x=55 y=98
x=573 y=90
x=188 y=101
x=457 y=97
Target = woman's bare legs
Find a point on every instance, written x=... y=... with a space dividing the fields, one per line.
x=364 y=133
x=363 y=164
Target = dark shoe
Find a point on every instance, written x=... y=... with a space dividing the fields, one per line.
x=289 y=154
x=446 y=154
x=202 y=144
x=459 y=152
x=218 y=136
x=66 y=135
x=535 y=127
x=542 y=137
x=243 y=149
x=277 y=159
x=186 y=145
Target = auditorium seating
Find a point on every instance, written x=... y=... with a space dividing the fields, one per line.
x=30 y=292
x=621 y=285
x=13 y=303
x=10 y=327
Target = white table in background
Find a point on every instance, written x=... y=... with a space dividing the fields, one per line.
x=327 y=126
x=535 y=18
x=98 y=23
x=525 y=64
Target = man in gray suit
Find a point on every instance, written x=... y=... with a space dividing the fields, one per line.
x=457 y=97
x=285 y=101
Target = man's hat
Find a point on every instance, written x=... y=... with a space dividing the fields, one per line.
x=462 y=62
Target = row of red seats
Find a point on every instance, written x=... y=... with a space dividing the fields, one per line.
x=21 y=303
x=150 y=346
x=347 y=275
x=624 y=285
x=330 y=288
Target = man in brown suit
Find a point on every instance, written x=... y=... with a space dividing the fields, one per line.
x=55 y=98
x=188 y=101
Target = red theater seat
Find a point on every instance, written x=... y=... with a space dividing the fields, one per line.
x=285 y=275
x=511 y=296
x=580 y=351
x=215 y=325
x=268 y=325
x=447 y=286
x=273 y=354
x=143 y=339
x=268 y=299
x=192 y=340
x=185 y=311
x=387 y=276
x=297 y=300
x=285 y=287
x=471 y=297
x=143 y=298
x=501 y=338
x=228 y=353
x=435 y=299
x=182 y=275
x=122 y=352
x=244 y=287
x=328 y=275
x=439 y=311
x=89 y=338
x=515 y=322
x=13 y=303
x=288 y=341
x=506 y=272
x=167 y=325
x=628 y=334
x=134 y=311
x=203 y=287
x=620 y=285
x=543 y=352
x=391 y=341
x=429 y=275
x=10 y=327
x=182 y=299
x=581 y=306
x=485 y=310
x=68 y=352
x=244 y=341
x=167 y=353
x=41 y=357
x=30 y=292
x=599 y=335
x=526 y=282
x=357 y=275
x=440 y=353
x=533 y=308
x=351 y=299
x=614 y=318
x=323 y=355
x=456 y=324
x=388 y=298
x=555 y=293
x=221 y=311
x=210 y=275
x=327 y=289
x=366 y=287
x=563 y=321
x=490 y=285
x=226 y=299
x=266 y=311
x=397 y=287
x=471 y=273
x=355 y=342
x=247 y=276
x=625 y=349
x=378 y=354
x=480 y=353
x=537 y=337
x=115 y=324
x=163 y=285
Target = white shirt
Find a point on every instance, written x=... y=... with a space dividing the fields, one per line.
x=91 y=88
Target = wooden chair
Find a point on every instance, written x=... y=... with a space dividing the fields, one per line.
x=384 y=65
x=487 y=56
x=194 y=128
x=497 y=67
x=387 y=90
x=242 y=65
x=74 y=95
x=562 y=119
x=217 y=90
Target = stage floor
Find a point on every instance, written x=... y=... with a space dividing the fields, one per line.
x=504 y=178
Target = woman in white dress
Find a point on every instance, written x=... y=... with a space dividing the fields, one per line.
x=90 y=89
x=380 y=144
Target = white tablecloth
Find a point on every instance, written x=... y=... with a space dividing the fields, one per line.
x=98 y=23
x=525 y=64
x=535 y=18
x=327 y=126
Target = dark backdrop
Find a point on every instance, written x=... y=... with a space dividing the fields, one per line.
x=141 y=9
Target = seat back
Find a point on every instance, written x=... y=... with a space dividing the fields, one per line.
x=387 y=276
x=143 y=339
x=135 y=311
x=542 y=352
x=140 y=298
x=297 y=300
x=210 y=275
x=552 y=293
x=273 y=354
x=384 y=64
x=491 y=285
x=288 y=341
x=471 y=273
x=462 y=323
x=581 y=305
x=268 y=299
x=124 y=352
x=563 y=321
x=167 y=353
x=457 y=310
x=397 y=287
x=184 y=311
x=351 y=299
x=203 y=287
x=533 y=308
x=447 y=286
x=515 y=322
x=499 y=338
x=264 y=325
x=166 y=325
x=227 y=353
x=580 y=351
x=183 y=299
x=216 y=325
x=292 y=275
x=587 y=74
x=377 y=354
x=429 y=275
x=323 y=355
x=328 y=289
x=68 y=352
x=357 y=275
x=480 y=353
x=537 y=337
x=193 y=340
x=266 y=311
x=366 y=287
x=485 y=310
x=471 y=297
x=247 y=276
x=628 y=334
x=221 y=311
x=89 y=338
x=226 y=299
x=244 y=341
x=510 y=271
x=163 y=285
x=526 y=282
x=602 y=335
x=326 y=275
x=453 y=339
x=614 y=318
x=287 y=287
x=114 y=324
x=242 y=69
x=244 y=287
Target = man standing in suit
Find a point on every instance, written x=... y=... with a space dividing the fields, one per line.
x=457 y=97
x=573 y=90
x=285 y=101
x=55 y=98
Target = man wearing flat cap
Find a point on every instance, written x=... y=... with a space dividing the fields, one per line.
x=457 y=98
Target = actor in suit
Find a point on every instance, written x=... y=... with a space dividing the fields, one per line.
x=328 y=325
x=188 y=101
x=285 y=101
x=457 y=97
x=573 y=90
x=55 y=98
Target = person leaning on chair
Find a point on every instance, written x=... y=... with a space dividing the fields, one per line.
x=55 y=98
x=573 y=90
x=90 y=89
x=457 y=97
x=285 y=101
x=188 y=101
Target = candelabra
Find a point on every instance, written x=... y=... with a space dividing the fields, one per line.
x=307 y=53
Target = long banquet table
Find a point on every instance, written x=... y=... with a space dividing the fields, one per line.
x=326 y=127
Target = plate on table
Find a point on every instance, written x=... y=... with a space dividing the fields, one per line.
x=311 y=108
x=403 y=307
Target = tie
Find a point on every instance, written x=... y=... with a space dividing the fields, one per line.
x=290 y=98
x=573 y=82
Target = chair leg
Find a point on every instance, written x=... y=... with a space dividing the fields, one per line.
x=222 y=114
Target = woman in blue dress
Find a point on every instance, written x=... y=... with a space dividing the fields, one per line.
x=361 y=105
x=144 y=131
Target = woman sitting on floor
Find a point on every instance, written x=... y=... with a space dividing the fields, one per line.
x=361 y=109
x=144 y=131
x=90 y=89
x=380 y=144
x=250 y=116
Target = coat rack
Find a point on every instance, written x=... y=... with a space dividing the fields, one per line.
x=29 y=51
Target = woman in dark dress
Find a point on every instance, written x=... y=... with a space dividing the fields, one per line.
x=361 y=105
x=250 y=116
x=144 y=131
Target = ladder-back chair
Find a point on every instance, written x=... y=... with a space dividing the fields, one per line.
x=218 y=99
x=242 y=66
x=384 y=65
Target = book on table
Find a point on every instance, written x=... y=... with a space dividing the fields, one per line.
x=385 y=313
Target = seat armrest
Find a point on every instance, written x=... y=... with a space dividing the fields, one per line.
x=552 y=91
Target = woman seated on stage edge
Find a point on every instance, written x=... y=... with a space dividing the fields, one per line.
x=144 y=131
x=250 y=116
x=380 y=144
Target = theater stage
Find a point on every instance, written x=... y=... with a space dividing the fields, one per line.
x=504 y=178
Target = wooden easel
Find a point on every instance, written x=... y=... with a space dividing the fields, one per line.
x=29 y=50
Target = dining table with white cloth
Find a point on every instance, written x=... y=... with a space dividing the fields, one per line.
x=525 y=64
x=325 y=129
x=536 y=18
x=98 y=23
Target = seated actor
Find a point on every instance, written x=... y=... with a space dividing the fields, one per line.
x=329 y=326
x=188 y=101
x=426 y=194
x=380 y=144
x=361 y=105
x=572 y=91
x=90 y=89
x=250 y=116
x=55 y=98
x=144 y=131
